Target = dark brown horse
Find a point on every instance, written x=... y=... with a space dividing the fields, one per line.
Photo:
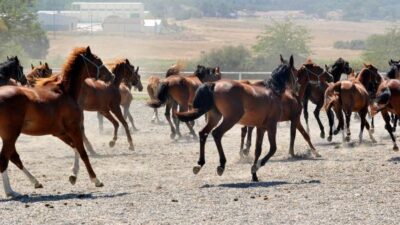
x=316 y=89
x=237 y=102
x=133 y=80
x=291 y=111
x=11 y=72
x=354 y=95
x=105 y=98
x=179 y=90
x=42 y=111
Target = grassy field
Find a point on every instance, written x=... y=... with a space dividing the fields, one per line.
x=156 y=52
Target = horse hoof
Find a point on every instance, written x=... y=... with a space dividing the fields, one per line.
x=254 y=177
x=372 y=130
x=374 y=141
x=254 y=168
x=38 y=185
x=246 y=151
x=395 y=148
x=347 y=139
x=112 y=143
x=329 y=138
x=99 y=184
x=317 y=155
x=72 y=180
x=336 y=132
x=220 y=170
x=172 y=136
x=196 y=169
x=132 y=148
x=322 y=135
x=13 y=194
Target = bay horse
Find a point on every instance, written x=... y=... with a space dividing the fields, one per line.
x=41 y=71
x=291 y=111
x=105 y=98
x=11 y=72
x=237 y=102
x=354 y=96
x=394 y=73
x=179 y=90
x=42 y=111
x=152 y=85
x=129 y=81
x=388 y=100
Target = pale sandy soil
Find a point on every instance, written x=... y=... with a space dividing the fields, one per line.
x=356 y=184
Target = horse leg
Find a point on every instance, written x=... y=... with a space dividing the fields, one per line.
x=156 y=115
x=339 y=116
x=257 y=152
x=368 y=127
x=347 y=114
x=248 y=142
x=307 y=138
x=372 y=129
x=87 y=143
x=331 y=123
x=227 y=123
x=396 y=118
x=242 y=137
x=388 y=127
x=17 y=161
x=362 y=113
x=176 y=120
x=305 y=110
x=272 y=149
x=293 y=125
x=100 y=119
x=74 y=133
x=116 y=110
x=7 y=151
x=321 y=127
x=168 y=117
x=115 y=123
x=213 y=119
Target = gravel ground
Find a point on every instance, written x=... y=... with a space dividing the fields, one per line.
x=350 y=184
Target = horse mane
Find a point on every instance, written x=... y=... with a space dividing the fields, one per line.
x=278 y=80
x=47 y=80
x=70 y=71
x=175 y=69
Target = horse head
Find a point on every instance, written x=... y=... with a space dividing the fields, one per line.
x=207 y=74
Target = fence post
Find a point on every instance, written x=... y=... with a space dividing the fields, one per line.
x=240 y=75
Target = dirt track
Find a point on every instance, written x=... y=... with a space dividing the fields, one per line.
x=355 y=184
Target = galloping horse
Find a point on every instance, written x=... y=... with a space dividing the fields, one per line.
x=394 y=73
x=291 y=111
x=12 y=69
x=41 y=71
x=180 y=90
x=316 y=89
x=41 y=111
x=354 y=96
x=152 y=85
x=105 y=98
x=126 y=96
x=237 y=102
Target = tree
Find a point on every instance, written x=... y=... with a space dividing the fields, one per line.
x=284 y=38
x=232 y=58
x=382 y=47
x=21 y=32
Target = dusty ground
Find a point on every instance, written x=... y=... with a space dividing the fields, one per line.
x=356 y=184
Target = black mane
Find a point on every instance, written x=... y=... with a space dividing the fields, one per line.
x=279 y=78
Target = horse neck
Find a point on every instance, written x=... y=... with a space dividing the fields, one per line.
x=336 y=75
x=5 y=70
x=363 y=79
x=118 y=71
x=75 y=78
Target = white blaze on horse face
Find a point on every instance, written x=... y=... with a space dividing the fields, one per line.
x=6 y=184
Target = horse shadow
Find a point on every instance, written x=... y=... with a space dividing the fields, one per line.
x=266 y=184
x=60 y=197
x=394 y=159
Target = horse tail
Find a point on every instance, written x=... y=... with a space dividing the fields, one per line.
x=203 y=102
x=384 y=97
x=162 y=96
x=332 y=94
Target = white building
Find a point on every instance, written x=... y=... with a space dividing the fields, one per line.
x=97 y=12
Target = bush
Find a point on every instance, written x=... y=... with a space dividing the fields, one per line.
x=353 y=45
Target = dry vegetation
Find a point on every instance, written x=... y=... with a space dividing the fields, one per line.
x=205 y=34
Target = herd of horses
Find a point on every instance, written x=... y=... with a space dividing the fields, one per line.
x=47 y=103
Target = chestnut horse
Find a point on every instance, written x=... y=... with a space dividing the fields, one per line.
x=152 y=85
x=237 y=102
x=316 y=89
x=41 y=111
x=105 y=98
x=394 y=73
x=180 y=90
x=11 y=72
x=126 y=96
x=354 y=96
x=41 y=71
x=291 y=111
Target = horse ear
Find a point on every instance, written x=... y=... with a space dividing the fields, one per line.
x=40 y=62
x=326 y=67
x=88 y=51
x=137 y=69
x=127 y=61
x=32 y=66
x=46 y=65
x=365 y=65
x=281 y=58
x=291 y=61
x=8 y=58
